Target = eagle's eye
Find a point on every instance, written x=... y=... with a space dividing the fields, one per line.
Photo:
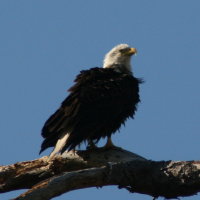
x=124 y=50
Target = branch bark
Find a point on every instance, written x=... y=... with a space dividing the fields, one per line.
x=97 y=168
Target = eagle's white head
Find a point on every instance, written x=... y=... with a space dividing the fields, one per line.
x=119 y=58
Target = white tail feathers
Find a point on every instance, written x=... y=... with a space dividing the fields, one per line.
x=59 y=145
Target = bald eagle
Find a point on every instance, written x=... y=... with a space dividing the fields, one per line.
x=99 y=102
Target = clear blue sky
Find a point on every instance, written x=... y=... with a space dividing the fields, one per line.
x=44 y=44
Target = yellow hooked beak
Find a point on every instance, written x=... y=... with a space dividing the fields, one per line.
x=131 y=51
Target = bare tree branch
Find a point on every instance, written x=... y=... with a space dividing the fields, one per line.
x=101 y=168
x=24 y=175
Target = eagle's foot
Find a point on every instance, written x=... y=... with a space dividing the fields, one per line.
x=109 y=144
x=91 y=145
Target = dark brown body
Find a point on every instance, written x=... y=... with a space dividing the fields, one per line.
x=98 y=104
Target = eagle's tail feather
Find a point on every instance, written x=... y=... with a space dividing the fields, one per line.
x=59 y=145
